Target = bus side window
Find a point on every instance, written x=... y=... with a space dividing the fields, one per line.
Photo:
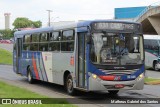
x=67 y=43
x=26 y=42
x=44 y=37
x=43 y=44
x=54 y=44
x=55 y=36
x=34 y=42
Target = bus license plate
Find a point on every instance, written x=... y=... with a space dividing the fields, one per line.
x=119 y=85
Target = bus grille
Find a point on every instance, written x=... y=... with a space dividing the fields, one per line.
x=118 y=72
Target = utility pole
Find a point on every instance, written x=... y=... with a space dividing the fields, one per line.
x=49 y=19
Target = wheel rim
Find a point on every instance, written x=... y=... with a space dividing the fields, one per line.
x=69 y=85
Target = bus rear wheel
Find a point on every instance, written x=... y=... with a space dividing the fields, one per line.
x=113 y=92
x=29 y=77
x=69 y=85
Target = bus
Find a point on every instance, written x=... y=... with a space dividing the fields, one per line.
x=152 y=51
x=98 y=55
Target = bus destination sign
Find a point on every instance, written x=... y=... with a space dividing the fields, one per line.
x=113 y=26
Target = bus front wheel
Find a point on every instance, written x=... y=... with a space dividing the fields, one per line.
x=69 y=85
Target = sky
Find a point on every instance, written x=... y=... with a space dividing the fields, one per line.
x=65 y=10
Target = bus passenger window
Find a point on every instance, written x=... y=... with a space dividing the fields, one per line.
x=44 y=37
x=26 y=47
x=27 y=38
x=68 y=35
x=54 y=46
x=35 y=38
x=67 y=43
x=55 y=36
x=43 y=47
x=34 y=47
x=67 y=46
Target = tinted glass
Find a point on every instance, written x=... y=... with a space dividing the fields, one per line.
x=43 y=47
x=44 y=37
x=55 y=36
x=68 y=35
x=35 y=38
x=27 y=38
x=26 y=47
x=67 y=46
x=34 y=47
x=54 y=46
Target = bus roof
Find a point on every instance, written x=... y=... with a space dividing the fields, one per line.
x=151 y=36
x=31 y=31
x=72 y=25
x=86 y=23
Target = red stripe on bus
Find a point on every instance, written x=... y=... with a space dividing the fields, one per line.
x=35 y=67
x=109 y=78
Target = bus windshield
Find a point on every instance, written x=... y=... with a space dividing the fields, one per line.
x=117 y=49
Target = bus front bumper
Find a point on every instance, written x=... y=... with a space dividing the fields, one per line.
x=101 y=85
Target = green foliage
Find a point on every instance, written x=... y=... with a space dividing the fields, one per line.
x=5 y=57
x=7 y=33
x=37 y=24
x=22 y=22
x=151 y=80
x=9 y=91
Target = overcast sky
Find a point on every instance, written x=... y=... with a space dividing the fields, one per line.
x=65 y=10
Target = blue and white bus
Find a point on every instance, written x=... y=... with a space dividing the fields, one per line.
x=99 y=55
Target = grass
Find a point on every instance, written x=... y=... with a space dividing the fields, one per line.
x=9 y=91
x=5 y=57
x=152 y=81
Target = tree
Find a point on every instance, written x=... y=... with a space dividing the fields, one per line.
x=7 y=33
x=37 y=24
x=23 y=22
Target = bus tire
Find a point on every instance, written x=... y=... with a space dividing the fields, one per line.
x=69 y=85
x=29 y=77
x=155 y=67
x=113 y=92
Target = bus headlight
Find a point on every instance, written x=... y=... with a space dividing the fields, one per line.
x=94 y=76
x=140 y=77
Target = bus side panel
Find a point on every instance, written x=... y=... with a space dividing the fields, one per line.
x=62 y=63
x=46 y=66
x=35 y=61
x=149 y=58
x=26 y=61
x=42 y=67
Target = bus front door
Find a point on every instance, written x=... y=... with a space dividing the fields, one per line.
x=18 y=53
x=81 y=64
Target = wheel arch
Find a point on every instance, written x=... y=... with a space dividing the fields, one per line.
x=28 y=67
x=154 y=61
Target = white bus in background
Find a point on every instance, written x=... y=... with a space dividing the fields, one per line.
x=152 y=51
